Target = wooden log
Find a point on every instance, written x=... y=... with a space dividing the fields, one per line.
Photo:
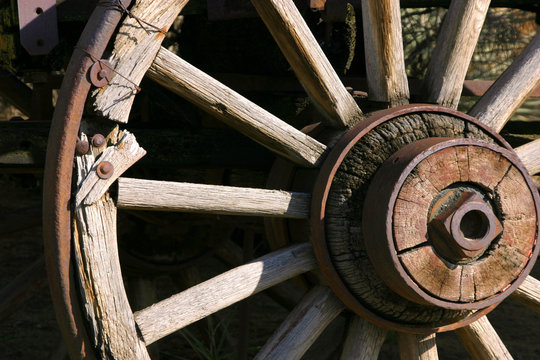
x=180 y=310
x=453 y=52
x=511 y=89
x=236 y=111
x=98 y=271
x=21 y=289
x=363 y=341
x=303 y=325
x=213 y=199
x=417 y=347
x=121 y=156
x=385 y=64
x=137 y=42
x=529 y=154
x=308 y=61
x=528 y=293
x=482 y=342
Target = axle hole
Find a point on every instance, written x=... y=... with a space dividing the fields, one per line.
x=474 y=225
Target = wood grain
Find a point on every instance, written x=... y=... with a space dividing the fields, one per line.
x=214 y=199
x=417 y=347
x=363 y=341
x=98 y=271
x=455 y=46
x=135 y=48
x=385 y=64
x=122 y=156
x=236 y=111
x=528 y=293
x=482 y=341
x=303 y=325
x=529 y=154
x=169 y=315
x=511 y=89
x=308 y=61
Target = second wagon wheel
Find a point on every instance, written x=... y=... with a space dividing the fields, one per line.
x=421 y=219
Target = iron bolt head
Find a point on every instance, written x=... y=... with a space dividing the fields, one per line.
x=82 y=147
x=466 y=228
x=98 y=140
x=105 y=170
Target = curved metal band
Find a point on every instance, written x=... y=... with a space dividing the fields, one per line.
x=58 y=173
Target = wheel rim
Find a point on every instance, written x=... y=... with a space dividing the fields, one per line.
x=61 y=233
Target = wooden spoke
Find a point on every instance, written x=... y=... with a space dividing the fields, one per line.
x=455 y=46
x=25 y=286
x=364 y=340
x=195 y=303
x=187 y=81
x=529 y=293
x=214 y=199
x=387 y=80
x=511 y=89
x=136 y=44
x=530 y=156
x=417 y=347
x=303 y=325
x=482 y=342
x=308 y=61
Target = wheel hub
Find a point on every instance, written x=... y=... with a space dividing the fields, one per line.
x=423 y=219
x=439 y=222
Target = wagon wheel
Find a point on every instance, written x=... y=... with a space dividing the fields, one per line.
x=422 y=219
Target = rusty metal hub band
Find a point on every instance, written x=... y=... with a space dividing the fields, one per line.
x=407 y=233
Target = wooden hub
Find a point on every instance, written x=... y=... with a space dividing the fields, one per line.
x=440 y=222
x=423 y=219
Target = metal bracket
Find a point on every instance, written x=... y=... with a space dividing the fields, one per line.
x=38 y=25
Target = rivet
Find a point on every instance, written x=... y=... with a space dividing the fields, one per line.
x=98 y=140
x=82 y=147
x=105 y=170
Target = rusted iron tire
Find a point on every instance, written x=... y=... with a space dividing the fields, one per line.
x=421 y=219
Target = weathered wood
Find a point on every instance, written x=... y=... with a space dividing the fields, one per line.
x=98 y=271
x=122 y=155
x=308 y=61
x=21 y=289
x=528 y=293
x=417 y=347
x=16 y=92
x=511 y=89
x=482 y=342
x=453 y=52
x=287 y=294
x=343 y=216
x=529 y=154
x=137 y=42
x=385 y=64
x=143 y=293
x=303 y=325
x=213 y=199
x=363 y=341
x=180 y=310
x=236 y=111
